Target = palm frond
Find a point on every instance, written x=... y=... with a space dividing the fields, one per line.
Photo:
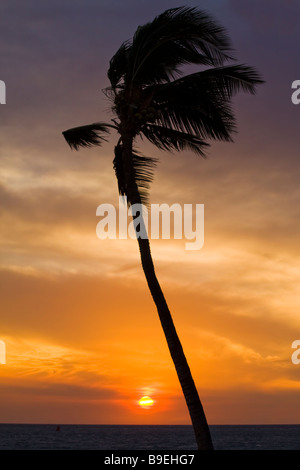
x=225 y=81
x=183 y=35
x=169 y=139
x=118 y=64
x=202 y=115
x=199 y=103
x=178 y=36
x=143 y=173
x=86 y=136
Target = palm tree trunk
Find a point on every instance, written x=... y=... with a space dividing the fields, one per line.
x=201 y=429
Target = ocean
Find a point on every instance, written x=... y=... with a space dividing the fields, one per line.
x=147 y=438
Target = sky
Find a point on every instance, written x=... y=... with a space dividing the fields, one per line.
x=82 y=336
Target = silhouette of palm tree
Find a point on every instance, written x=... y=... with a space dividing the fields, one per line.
x=152 y=97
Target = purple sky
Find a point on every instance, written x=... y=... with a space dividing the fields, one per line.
x=54 y=57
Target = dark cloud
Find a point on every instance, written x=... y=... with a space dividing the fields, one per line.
x=58 y=389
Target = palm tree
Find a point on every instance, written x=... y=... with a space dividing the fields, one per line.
x=152 y=98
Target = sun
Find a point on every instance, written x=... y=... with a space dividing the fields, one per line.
x=146 y=402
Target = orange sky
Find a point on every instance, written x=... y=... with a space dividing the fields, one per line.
x=83 y=340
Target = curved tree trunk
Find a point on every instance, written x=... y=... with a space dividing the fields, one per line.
x=192 y=399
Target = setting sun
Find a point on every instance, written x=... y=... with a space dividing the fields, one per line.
x=146 y=402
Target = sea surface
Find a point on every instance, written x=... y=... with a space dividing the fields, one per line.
x=148 y=438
